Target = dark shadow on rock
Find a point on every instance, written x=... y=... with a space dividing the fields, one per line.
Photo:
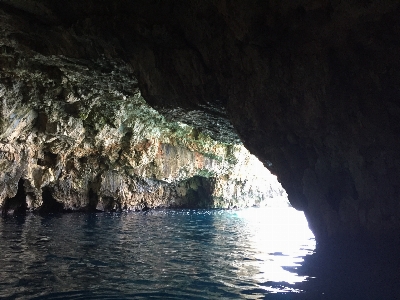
x=16 y=205
x=49 y=160
x=93 y=201
x=109 y=204
x=198 y=192
x=50 y=204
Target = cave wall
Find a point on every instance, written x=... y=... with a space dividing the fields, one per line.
x=311 y=87
x=75 y=134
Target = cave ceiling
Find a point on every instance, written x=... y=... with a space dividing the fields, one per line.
x=310 y=87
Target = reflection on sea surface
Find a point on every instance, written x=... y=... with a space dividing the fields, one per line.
x=168 y=254
x=282 y=239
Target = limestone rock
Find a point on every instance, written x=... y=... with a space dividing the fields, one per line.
x=73 y=137
x=310 y=87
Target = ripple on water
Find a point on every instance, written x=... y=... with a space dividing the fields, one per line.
x=166 y=254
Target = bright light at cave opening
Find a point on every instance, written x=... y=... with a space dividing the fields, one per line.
x=278 y=234
x=282 y=238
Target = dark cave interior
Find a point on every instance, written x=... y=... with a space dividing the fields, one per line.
x=310 y=87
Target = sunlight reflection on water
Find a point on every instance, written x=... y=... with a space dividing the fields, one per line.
x=282 y=239
x=175 y=254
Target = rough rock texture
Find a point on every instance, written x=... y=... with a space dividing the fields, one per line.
x=311 y=87
x=76 y=134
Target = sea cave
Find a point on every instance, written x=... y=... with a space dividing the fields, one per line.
x=118 y=106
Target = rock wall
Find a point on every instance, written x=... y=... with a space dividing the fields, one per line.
x=310 y=86
x=77 y=135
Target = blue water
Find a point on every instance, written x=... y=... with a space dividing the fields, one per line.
x=166 y=254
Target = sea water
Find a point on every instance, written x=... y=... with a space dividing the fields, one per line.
x=160 y=254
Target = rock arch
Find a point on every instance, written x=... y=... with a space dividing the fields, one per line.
x=310 y=87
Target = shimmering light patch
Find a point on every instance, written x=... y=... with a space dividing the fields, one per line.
x=281 y=238
x=167 y=254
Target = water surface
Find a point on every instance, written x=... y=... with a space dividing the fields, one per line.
x=163 y=254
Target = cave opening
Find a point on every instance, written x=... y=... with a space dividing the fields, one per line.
x=109 y=204
x=198 y=192
x=93 y=200
x=50 y=204
x=282 y=237
x=310 y=86
x=16 y=205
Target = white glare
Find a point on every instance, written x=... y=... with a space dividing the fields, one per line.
x=281 y=238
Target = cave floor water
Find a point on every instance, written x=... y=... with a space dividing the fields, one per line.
x=160 y=254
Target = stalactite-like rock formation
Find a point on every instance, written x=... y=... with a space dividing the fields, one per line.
x=311 y=88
